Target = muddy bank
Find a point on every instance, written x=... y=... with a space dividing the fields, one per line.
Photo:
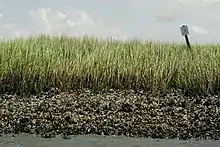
x=27 y=140
x=113 y=113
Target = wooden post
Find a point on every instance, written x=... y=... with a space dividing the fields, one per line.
x=187 y=41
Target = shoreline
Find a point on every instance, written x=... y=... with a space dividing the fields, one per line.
x=112 y=113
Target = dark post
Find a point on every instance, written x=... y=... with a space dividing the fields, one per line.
x=185 y=32
x=187 y=41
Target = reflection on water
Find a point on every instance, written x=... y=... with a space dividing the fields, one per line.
x=100 y=141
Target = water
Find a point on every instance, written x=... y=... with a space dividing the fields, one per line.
x=100 y=141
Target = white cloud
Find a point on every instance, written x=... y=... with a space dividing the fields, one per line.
x=80 y=23
x=70 y=23
x=199 y=30
x=41 y=18
x=49 y=21
x=61 y=15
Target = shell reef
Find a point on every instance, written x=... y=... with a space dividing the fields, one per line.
x=129 y=113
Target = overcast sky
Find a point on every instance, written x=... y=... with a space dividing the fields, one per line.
x=144 y=19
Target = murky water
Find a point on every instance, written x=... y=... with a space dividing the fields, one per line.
x=100 y=141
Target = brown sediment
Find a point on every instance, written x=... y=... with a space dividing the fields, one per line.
x=111 y=113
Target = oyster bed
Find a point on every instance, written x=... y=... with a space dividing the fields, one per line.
x=112 y=113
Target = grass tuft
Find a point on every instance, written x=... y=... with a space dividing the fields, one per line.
x=38 y=63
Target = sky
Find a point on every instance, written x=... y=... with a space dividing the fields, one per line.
x=157 y=20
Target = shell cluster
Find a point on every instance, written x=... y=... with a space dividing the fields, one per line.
x=112 y=113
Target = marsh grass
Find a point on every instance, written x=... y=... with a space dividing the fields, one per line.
x=41 y=62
